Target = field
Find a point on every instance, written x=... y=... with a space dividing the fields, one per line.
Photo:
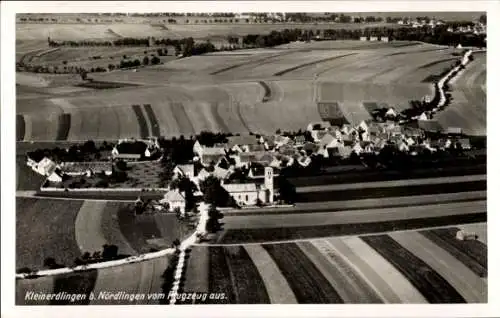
x=249 y=90
x=34 y=31
x=65 y=229
x=468 y=109
x=406 y=267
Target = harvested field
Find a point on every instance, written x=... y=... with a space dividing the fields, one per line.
x=389 y=283
x=353 y=216
x=155 y=127
x=432 y=285
x=245 y=235
x=277 y=286
x=143 y=126
x=64 y=126
x=88 y=227
x=306 y=281
x=349 y=285
x=110 y=228
x=353 y=95
x=469 y=285
x=471 y=253
x=220 y=280
x=45 y=228
x=197 y=271
x=247 y=283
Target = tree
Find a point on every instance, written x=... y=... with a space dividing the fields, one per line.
x=213 y=224
x=482 y=18
x=122 y=165
x=214 y=193
x=155 y=60
x=145 y=61
x=109 y=252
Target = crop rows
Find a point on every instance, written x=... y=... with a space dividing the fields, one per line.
x=383 y=192
x=243 y=235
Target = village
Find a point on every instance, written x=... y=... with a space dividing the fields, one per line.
x=245 y=166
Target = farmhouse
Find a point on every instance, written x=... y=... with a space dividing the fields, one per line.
x=175 y=200
x=317 y=126
x=240 y=143
x=46 y=167
x=186 y=170
x=252 y=193
x=133 y=150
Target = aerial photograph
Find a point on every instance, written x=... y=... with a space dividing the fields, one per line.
x=250 y=158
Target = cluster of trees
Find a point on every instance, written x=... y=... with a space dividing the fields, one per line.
x=215 y=194
x=118 y=42
x=213 y=222
x=85 y=152
x=108 y=253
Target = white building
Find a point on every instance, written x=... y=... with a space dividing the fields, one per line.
x=175 y=200
x=249 y=193
x=46 y=167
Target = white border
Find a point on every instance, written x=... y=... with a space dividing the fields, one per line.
x=8 y=11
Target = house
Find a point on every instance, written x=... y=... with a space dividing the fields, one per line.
x=268 y=141
x=281 y=141
x=266 y=159
x=362 y=38
x=430 y=126
x=200 y=176
x=254 y=148
x=86 y=168
x=357 y=148
x=237 y=143
x=453 y=131
x=384 y=38
x=299 y=140
x=391 y=113
x=328 y=141
x=175 y=200
x=402 y=146
x=46 y=167
x=244 y=159
x=464 y=143
x=221 y=173
x=250 y=193
x=185 y=170
x=208 y=155
x=373 y=38
x=304 y=161
x=317 y=126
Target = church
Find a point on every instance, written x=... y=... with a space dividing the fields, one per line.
x=248 y=194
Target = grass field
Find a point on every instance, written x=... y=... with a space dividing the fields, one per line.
x=45 y=228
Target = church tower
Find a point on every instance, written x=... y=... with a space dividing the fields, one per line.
x=269 y=182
